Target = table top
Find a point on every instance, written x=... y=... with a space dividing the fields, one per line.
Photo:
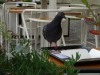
x=19 y=9
x=60 y=63
x=18 y=2
x=83 y=68
x=94 y=66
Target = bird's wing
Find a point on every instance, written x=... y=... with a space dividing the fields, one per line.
x=44 y=31
x=52 y=33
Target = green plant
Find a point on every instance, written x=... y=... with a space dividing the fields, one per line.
x=95 y=16
x=70 y=68
x=20 y=61
x=33 y=63
x=2 y=1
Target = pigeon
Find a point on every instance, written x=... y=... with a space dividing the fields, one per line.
x=52 y=32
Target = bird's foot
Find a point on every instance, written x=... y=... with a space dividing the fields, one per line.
x=56 y=47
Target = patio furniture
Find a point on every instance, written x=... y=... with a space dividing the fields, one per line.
x=84 y=11
x=40 y=22
x=11 y=11
x=16 y=10
x=75 y=12
x=95 y=32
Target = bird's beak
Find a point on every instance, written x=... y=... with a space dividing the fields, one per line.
x=64 y=17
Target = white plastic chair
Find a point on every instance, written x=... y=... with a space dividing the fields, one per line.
x=96 y=35
x=84 y=11
x=77 y=10
x=40 y=20
x=9 y=11
x=13 y=24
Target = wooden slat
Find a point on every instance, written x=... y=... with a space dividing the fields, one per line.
x=81 y=16
x=72 y=13
x=19 y=9
x=95 y=32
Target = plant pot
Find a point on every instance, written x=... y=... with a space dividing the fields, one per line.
x=95 y=32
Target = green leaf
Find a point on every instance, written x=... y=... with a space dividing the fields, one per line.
x=91 y=11
x=85 y=2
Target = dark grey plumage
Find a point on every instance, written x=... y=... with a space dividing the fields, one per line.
x=52 y=31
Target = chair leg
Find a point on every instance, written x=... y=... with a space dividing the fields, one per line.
x=82 y=32
x=1 y=38
x=96 y=41
x=86 y=34
x=35 y=38
x=96 y=38
x=63 y=40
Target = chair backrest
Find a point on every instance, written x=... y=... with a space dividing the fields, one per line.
x=8 y=5
x=48 y=11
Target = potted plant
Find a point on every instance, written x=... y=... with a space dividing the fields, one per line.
x=34 y=64
x=28 y=64
x=95 y=20
x=20 y=61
